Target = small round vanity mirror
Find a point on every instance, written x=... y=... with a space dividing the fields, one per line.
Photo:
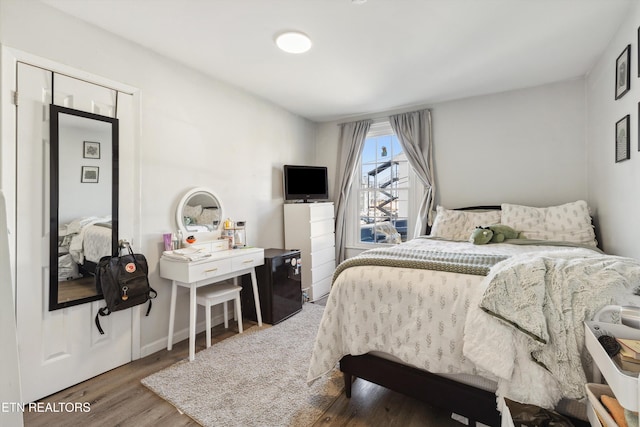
x=199 y=210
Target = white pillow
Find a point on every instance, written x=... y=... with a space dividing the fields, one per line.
x=570 y=222
x=458 y=225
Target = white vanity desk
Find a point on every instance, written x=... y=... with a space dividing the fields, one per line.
x=221 y=265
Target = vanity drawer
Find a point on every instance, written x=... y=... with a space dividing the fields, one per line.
x=210 y=269
x=247 y=260
x=189 y=272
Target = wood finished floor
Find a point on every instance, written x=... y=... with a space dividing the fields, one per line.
x=76 y=289
x=118 y=398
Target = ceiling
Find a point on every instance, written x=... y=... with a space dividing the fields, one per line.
x=371 y=56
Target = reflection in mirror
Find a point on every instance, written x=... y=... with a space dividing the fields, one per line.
x=199 y=211
x=83 y=200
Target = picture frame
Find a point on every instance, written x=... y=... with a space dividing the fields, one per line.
x=91 y=150
x=90 y=174
x=622 y=139
x=623 y=69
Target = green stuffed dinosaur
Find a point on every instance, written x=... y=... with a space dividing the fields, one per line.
x=497 y=233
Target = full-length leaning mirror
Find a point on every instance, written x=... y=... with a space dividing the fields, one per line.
x=83 y=201
x=199 y=211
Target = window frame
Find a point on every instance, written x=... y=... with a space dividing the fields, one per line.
x=414 y=192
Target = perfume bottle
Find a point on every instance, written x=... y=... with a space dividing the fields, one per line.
x=179 y=245
x=240 y=234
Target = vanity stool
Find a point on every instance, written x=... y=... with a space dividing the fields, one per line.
x=209 y=296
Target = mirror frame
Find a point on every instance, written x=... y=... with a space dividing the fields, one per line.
x=54 y=112
x=183 y=202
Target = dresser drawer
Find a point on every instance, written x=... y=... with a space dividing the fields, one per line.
x=323 y=271
x=320 y=211
x=247 y=261
x=323 y=256
x=189 y=272
x=323 y=242
x=321 y=288
x=319 y=228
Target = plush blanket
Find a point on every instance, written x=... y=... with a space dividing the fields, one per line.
x=529 y=319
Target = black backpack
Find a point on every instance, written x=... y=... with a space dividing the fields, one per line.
x=124 y=282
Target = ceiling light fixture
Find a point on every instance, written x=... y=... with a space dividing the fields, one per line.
x=293 y=42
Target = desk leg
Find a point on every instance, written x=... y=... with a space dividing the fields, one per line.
x=256 y=296
x=192 y=322
x=172 y=314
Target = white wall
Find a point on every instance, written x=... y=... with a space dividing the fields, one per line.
x=524 y=146
x=194 y=131
x=614 y=187
x=76 y=198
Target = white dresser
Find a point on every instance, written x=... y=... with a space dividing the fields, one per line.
x=309 y=227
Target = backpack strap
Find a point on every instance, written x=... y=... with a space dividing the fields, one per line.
x=155 y=294
x=104 y=311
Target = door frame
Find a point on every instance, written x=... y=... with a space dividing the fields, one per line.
x=9 y=59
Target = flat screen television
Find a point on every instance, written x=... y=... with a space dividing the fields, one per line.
x=305 y=183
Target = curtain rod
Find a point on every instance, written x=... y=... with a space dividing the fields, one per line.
x=382 y=116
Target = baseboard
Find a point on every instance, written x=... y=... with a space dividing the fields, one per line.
x=320 y=297
x=181 y=335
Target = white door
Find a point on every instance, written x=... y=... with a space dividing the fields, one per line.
x=62 y=347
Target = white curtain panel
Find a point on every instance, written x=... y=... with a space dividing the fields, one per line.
x=352 y=136
x=414 y=133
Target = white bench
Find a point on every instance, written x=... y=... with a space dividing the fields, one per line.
x=209 y=296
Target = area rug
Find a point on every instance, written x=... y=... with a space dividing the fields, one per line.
x=257 y=378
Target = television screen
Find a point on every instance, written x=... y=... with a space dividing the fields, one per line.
x=305 y=183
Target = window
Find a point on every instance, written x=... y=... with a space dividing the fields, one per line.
x=382 y=192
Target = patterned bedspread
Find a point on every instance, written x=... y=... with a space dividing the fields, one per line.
x=87 y=238
x=419 y=317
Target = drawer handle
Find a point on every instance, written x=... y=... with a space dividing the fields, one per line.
x=211 y=270
x=248 y=261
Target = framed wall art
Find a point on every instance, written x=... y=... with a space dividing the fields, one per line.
x=622 y=139
x=623 y=79
x=91 y=150
x=90 y=174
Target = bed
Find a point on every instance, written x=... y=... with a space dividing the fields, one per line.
x=83 y=242
x=441 y=319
